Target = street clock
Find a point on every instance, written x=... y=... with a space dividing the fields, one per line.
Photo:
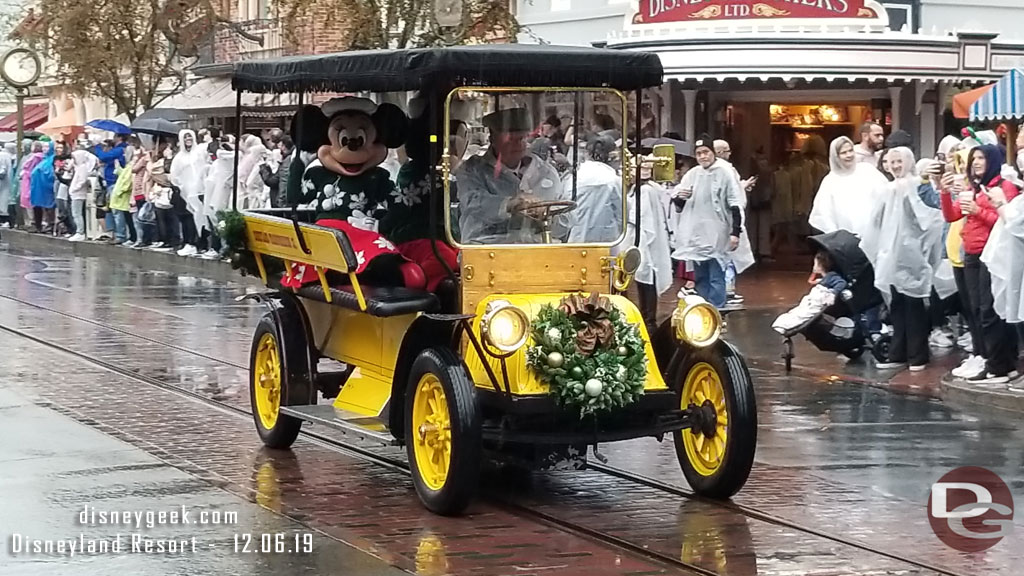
x=20 y=67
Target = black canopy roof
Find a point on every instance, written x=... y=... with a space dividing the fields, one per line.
x=518 y=65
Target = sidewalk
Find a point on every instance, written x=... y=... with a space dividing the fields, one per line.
x=59 y=469
x=767 y=293
x=147 y=259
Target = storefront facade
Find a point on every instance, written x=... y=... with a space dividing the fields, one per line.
x=768 y=74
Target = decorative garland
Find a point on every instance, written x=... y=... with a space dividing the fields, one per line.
x=231 y=229
x=589 y=355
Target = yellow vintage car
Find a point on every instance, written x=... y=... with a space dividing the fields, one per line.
x=527 y=353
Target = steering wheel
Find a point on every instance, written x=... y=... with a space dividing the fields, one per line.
x=544 y=210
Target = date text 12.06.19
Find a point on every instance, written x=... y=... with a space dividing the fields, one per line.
x=274 y=543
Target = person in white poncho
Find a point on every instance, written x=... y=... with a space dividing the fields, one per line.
x=654 y=276
x=188 y=171
x=909 y=249
x=743 y=257
x=598 y=213
x=710 y=221
x=1004 y=256
x=848 y=196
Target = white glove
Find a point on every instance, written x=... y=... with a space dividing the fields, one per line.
x=363 y=222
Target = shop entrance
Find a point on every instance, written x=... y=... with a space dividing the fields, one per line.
x=784 y=141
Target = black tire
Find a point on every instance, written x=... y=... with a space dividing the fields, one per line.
x=787 y=354
x=741 y=429
x=294 y=376
x=463 y=472
x=880 y=349
x=854 y=354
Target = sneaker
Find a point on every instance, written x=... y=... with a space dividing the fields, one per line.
x=210 y=255
x=918 y=367
x=77 y=238
x=965 y=342
x=188 y=250
x=889 y=365
x=970 y=367
x=5 y=225
x=157 y=245
x=940 y=339
x=989 y=378
x=140 y=245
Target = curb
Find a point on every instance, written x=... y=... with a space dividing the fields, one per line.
x=145 y=259
x=961 y=394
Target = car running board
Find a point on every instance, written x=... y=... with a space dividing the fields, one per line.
x=369 y=428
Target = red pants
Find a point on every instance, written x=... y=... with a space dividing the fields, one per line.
x=434 y=270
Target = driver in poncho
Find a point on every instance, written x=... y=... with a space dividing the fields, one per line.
x=709 y=225
x=495 y=188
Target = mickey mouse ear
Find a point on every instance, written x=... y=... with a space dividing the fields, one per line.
x=392 y=125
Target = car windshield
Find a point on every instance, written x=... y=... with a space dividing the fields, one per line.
x=535 y=167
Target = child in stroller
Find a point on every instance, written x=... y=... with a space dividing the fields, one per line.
x=829 y=316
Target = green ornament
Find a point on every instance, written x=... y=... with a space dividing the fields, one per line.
x=622 y=351
x=555 y=359
x=577 y=372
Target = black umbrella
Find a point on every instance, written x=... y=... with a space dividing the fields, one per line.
x=169 y=114
x=155 y=127
x=33 y=135
x=682 y=148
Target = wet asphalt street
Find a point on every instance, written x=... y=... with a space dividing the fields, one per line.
x=840 y=484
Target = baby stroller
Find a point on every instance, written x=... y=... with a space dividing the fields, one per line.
x=837 y=328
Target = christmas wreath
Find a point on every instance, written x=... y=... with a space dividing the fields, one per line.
x=231 y=230
x=588 y=354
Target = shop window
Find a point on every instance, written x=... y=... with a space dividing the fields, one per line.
x=902 y=13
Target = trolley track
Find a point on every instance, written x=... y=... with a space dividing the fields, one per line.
x=400 y=465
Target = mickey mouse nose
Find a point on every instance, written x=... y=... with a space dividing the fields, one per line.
x=352 y=144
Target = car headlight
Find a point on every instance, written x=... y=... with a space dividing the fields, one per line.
x=697 y=322
x=504 y=327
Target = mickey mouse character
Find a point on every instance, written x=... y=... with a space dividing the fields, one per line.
x=352 y=192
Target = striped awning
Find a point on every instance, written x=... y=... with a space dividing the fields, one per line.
x=1004 y=101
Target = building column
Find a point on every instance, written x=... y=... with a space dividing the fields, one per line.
x=691 y=115
x=665 y=95
x=894 y=95
x=929 y=119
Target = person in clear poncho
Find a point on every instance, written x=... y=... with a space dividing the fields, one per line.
x=654 y=276
x=188 y=173
x=598 y=213
x=495 y=188
x=709 y=223
x=848 y=196
x=1004 y=256
x=909 y=250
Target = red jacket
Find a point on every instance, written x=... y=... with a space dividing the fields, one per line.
x=978 y=226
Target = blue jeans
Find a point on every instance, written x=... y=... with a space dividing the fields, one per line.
x=120 y=225
x=871 y=320
x=709 y=278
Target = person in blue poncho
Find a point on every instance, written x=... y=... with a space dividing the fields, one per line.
x=41 y=192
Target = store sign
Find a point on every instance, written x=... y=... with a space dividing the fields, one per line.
x=659 y=11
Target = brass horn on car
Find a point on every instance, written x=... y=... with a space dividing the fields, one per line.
x=626 y=265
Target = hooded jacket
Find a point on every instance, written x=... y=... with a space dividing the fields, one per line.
x=978 y=226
